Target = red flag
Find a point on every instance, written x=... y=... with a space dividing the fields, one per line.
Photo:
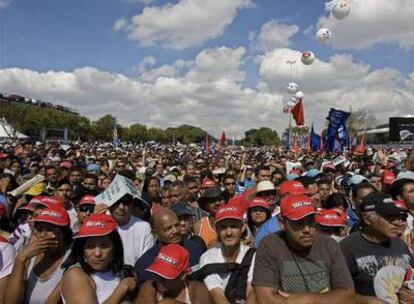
x=360 y=149
x=223 y=139
x=298 y=113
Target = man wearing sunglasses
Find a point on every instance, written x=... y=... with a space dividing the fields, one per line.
x=299 y=265
x=375 y=255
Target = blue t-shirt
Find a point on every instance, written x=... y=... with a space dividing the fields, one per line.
x=268 y=227
x=194 y=248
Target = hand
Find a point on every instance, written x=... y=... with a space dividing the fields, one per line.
x=405 y=295
x=38 y=244
x=249 y=241
x=129 y=283
x=101 y=208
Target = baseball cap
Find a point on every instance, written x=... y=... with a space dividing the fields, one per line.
x=97 y=224
x=292 y=187
x=170 y=178
x=53 y=215
x=259 y=202
x=357 y=179
x=207 y=183
x=172 y=260
x=87 y=200
x=228 y=212
x=265 y=186
x=296 y=207
x=331 y=218
x=50 y=201
x=382 y=204
x=66 y=164
x=181 y=209
x=388 y=177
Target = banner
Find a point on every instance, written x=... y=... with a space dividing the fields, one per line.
x=315 y=140
x=337 y=135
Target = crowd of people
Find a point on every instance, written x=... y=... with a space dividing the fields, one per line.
x=229 y=225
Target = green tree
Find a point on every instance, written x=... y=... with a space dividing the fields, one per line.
x=104 y=127
x=186 y=134
x=261 y=137
x=360 y=119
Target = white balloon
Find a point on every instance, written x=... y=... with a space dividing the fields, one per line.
x=323 y=34
x=292 y=87
x=341 y=9
x=307 y=58
x=299 y=95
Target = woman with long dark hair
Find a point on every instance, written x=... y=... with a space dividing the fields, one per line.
x=95 y=271
x=257 y=213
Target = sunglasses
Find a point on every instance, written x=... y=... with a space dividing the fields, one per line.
x=87 y=208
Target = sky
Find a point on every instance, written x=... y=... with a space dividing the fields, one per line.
x=216 y=64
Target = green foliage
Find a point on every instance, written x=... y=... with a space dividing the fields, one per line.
x=186 y=134
x=261 y=137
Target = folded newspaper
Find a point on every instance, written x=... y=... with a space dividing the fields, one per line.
x=119 y=187
x=27 y=185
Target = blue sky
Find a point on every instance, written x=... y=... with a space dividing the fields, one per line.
x=50 y=38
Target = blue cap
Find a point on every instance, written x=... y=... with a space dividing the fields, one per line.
x=357 y=179
x=312 y=172
x=181 y=209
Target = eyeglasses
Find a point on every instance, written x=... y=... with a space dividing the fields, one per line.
x=87 y=208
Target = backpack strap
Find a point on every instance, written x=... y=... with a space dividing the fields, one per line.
x=208 y=269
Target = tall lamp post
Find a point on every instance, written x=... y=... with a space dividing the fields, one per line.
x=291 y=62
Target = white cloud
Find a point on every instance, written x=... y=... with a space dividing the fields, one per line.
x=4 y=3
x=274 y=34
x=340 y=82
x=208 y=92
x=145 y=2
x=120 y=24
x=372 y=22
x=184 y=24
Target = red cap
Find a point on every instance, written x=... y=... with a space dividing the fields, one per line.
x=388 y=177
x=30 y=206
x=225 y=212
x=97 y=224
x=50 y=201
x=295 y=171
x=172 y=260
x=207 y=183
x=259 y=202
x=87 y=200
x=53 y=215
x=331 y=218
x=292 y=187
x=66 y=164
x=400 y=204
x=296 y=207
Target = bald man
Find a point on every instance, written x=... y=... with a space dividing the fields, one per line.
x=166 y=230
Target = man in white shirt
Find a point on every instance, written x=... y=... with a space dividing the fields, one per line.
x=135 y=233
x=229 y=226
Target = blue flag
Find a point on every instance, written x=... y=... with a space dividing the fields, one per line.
x=315 y=140
x=337 y=135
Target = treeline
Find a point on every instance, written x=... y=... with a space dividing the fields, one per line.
x=31 y=120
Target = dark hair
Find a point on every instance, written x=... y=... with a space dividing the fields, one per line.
x=328 y=230
x=147 y=182
x=250 y=220
x=91 y=176
x=190 y=180
x=67 y=234
x=76 y=255
x=63 y=181
x=397 y=187
x=306 y=181
x=261 y=167
x=335 y=200
x=362 y=185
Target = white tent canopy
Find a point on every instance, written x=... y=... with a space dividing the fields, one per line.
x=7 y=131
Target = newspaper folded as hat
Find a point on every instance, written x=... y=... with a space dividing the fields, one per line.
x=119 y=187
x=27 y=185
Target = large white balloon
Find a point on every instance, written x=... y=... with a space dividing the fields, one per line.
x=292 y=87
x=341 y=9
x=307 y=58
x=323 y=34
x=299 y=95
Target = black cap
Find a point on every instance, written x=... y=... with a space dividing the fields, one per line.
x=181 y=209
x=210 y=192
x=382 y=204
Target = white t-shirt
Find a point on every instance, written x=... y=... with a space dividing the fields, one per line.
x=7 y=254
x=73 y=217
x=214 y=255
x=136 y=238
